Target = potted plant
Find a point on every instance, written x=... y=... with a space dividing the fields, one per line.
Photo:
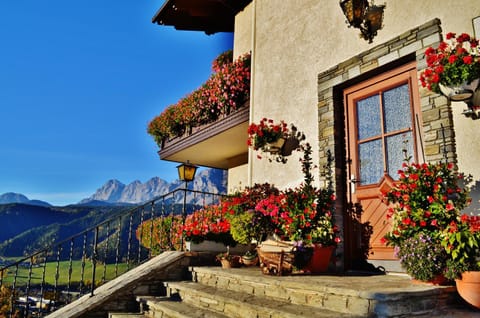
x=250 y=258
x=247 y=225
x=305 y=216
x=207 y=226
x=267 y=136
x=423 y=258
x=423 y=203
x=228 y=260
x=453 y=68
x=461 y=240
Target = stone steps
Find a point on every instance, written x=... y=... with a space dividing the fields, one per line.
x=125 y=315
x=246 y=292
x=237 y=304
x=382 y=296
x=171 y=308
x=214 y=292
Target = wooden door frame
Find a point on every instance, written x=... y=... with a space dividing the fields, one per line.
x=390 y=78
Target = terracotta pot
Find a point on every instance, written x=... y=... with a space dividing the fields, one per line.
x=320 y=259
x=469 y=288
x=438 y=280
x=234 y=261
x=225 y=263
x=248 y=261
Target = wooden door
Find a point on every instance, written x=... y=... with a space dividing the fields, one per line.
x=382 y=116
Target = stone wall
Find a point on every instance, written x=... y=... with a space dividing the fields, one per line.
x=437 y=141
x=119 y=295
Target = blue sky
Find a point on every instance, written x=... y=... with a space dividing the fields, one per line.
x=79 y=82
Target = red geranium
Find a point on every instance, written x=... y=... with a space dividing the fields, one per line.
x=426 y=199
x=455 y=61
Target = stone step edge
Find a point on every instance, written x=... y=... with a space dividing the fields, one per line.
x=232 y=302
x=307 y=288
x=179 y=309
x=125 y=315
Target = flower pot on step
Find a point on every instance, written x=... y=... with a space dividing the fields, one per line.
x=320 y=259
x=469 y=287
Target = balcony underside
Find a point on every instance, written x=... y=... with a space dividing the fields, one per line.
x=210 y=16
x=222 y=144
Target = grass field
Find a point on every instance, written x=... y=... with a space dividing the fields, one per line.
x=63 y=273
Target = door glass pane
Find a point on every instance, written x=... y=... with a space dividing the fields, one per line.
x=396 y=103
x=371 y=162
x=368 y=117
x=394 y=149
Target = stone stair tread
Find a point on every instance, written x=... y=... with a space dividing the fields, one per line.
x=125 y=315
x=390 y=287
x=240 y=304
x=179 y=309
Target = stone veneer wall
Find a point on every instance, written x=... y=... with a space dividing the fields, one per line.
x=435 y=111
x=119 y=295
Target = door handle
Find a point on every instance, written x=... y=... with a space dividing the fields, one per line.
x=353 y=182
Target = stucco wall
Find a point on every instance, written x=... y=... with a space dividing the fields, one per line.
x=293 y=43
x=237 y=178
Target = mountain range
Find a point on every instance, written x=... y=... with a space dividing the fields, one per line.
x=30 y=225
x=114 y=192
x=11 y=197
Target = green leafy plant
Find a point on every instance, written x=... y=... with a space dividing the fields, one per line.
x=160 y=234
x=461 y=240
x=453 y=62
x=246 y=224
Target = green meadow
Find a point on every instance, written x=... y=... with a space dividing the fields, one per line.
x=63 y=273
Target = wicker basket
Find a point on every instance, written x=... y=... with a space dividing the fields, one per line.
x=276 y=257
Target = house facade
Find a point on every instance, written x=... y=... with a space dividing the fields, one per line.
x=360 y=101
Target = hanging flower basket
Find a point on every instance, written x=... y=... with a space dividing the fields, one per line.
x=459 y=92
x=453 y=68
x=275 y=146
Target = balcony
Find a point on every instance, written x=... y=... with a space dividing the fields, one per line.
x=210 y=16
x=221 y=144
x=209 y=126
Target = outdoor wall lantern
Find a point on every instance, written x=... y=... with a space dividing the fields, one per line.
x=186 y=171
x=364 y=16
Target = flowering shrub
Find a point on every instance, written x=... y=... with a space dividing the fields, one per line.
x=247 y=224
x=455 y=61
x=209 y=224
x=267 y=131
x=302 y=214
x=426 y=199
x=223 y=59
x=224 y=92
x=160 y=234
x=461 y=240
x=422 y=256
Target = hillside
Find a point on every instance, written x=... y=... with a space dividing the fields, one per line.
x=16 y=218
x=26 y=228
